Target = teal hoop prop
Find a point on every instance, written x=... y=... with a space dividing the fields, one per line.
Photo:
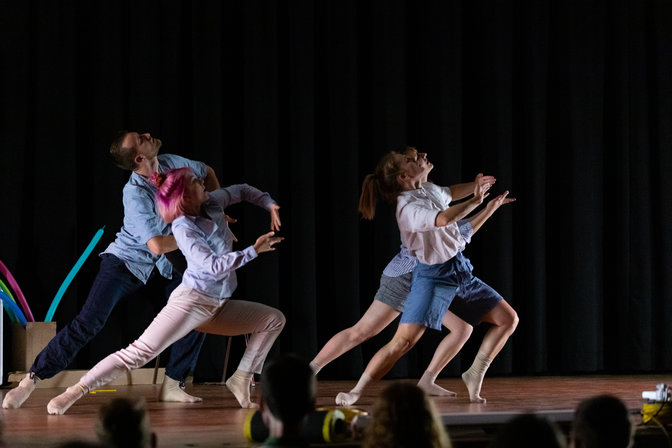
x=10 y=313
x=72 y=273
x=10 y=305
x=19 y=294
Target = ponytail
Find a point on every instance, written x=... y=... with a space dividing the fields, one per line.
x=367 y=200
x=381 y=183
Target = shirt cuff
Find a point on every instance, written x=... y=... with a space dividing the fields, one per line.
x=250 y=253
x=466 y=229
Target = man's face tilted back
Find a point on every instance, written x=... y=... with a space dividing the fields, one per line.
x=145 y=145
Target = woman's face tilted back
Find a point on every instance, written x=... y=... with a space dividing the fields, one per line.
x=413 y=167
x=194 y=195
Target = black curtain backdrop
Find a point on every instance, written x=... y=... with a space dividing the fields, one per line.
x=568 y=103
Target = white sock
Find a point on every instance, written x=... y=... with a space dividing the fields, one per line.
x=350 y=398
x=62 y=403
x=427 y=383
x=315 y=367
x=171 y=391
x=239 y=385
x=473 y=377
x=15 y=397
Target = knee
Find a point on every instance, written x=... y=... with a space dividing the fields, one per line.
x=514 y=321
x=359 y=334
x=510 y=322
x=462 y=332
x=136 y=355
x=400 y=345
x=86 y=327
x=278 y=320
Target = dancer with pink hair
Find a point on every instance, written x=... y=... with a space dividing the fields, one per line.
x=201 y=302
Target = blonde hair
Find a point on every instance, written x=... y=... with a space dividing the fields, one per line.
x=403 y=417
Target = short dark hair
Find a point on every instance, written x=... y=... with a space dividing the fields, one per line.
x=602 y=421
x=123 y=155
x=288 y=388
x=124 y=422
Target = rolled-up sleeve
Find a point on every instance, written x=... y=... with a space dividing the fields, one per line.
x=413 y=217
x=466 y=229
x=140 y=217
x=234 y=194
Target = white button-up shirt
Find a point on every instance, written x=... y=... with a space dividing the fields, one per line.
x=416 y=218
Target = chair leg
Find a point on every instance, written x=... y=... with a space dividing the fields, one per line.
x=226 y=359
x=247 y=341
x=156 y=368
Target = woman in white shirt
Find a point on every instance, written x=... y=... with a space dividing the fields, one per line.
x=201 y=301
x=428 y=228
x=390 y=299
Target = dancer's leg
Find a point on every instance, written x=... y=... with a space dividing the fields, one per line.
x=112 y=283
x=504 y=320
x=377 y=317
x=264 y=323
x=181 y=315
x=460 y=331
x=405 y=338
x=182 y=359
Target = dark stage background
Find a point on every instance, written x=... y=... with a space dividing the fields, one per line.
x=568 y=103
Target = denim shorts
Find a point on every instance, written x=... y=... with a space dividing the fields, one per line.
x=435 y=286
x=473 y=300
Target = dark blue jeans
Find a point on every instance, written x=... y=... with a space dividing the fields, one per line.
x=113 y=283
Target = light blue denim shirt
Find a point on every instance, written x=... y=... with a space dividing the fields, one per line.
x=206 y=242
x=404 y=262
x=142 y=221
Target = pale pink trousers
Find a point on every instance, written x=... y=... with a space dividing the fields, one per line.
x=189 y=309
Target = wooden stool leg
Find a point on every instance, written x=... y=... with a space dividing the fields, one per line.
x=226 y=359
x=156 y=368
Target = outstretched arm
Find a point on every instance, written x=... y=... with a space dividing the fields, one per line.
x=201 y=256
x=234 y=194
x=461 y=191
x=479 y=218
x=211 y=182
x=459 y=211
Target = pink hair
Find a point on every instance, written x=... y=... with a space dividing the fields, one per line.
x=170 y=195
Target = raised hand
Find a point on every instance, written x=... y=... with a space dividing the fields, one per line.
x=481 y=179
x=231 y=220
x=498 y=201
x=275 y=217
x=265 y=242
x=481 y=189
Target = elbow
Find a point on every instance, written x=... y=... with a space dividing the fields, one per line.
x=441 y=220
x=211 y=181
x=156 y=247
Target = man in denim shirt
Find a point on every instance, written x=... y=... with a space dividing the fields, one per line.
x=134 y=259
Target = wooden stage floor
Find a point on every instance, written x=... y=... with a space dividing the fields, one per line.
x=217 y=422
